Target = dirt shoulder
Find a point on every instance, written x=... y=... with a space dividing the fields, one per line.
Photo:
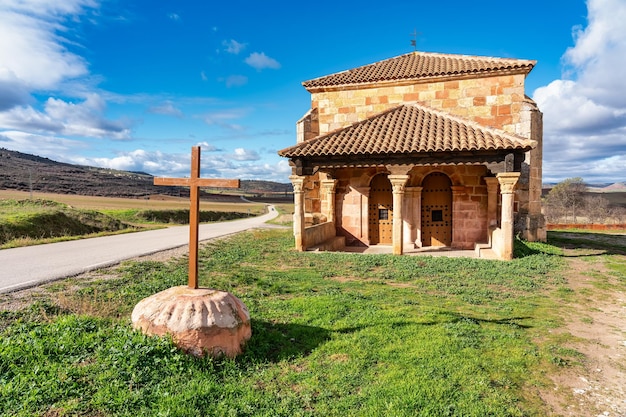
x=594 y=384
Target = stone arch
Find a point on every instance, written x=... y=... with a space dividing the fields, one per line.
x=417 y=174
x=365 y=179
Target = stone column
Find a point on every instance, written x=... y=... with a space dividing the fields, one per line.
x=507 y=181
x=364 y=193
x=458 y=231
x=328 y=201
x=298 y=211
x=412 y=209
x=417 y=213
x=492 y=201
x=398 y=183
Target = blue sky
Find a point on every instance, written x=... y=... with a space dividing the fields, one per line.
x=133 y=84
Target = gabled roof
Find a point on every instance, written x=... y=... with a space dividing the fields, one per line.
x=420 y=65
x=405 y=130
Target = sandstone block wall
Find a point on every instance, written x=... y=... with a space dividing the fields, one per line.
x=492 y=101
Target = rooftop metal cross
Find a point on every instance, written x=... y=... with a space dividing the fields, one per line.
x=194 y=183
x=415 y=34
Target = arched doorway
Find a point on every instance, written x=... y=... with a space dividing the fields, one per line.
x=380 y=212
x=436 y=210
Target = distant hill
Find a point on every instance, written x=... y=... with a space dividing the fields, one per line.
x=20 y=171
x=617 y=187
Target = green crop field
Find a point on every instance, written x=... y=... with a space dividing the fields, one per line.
x=53 y=217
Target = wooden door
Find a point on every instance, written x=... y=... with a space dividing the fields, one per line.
x=436 y=210
x=380 y=211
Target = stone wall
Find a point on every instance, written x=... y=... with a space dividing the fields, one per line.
x=319 y=233
x=492 y=101
x=470 y=198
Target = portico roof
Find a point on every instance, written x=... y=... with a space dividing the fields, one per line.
x=407 y=130
x=417 y=66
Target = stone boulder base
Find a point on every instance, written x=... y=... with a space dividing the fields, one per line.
x=201 y=321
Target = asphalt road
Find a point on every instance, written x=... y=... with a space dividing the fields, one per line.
x=33 y=265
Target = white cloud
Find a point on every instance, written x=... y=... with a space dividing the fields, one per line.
x=261 y=61
x=585 y=112
x=156 y=163
x=223 y=118
x=31 y=49
x=174 y=16
x=236 y=80
x=66 y=118
x=242 y=154
x=53 y=147
x=233 y=47
x=166 y=109
x=207 y=147
x=34 y=58
x=214 y=165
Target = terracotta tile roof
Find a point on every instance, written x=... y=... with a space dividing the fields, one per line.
x=408 y=129
x=419 y=65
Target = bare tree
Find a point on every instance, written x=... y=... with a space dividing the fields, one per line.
x=597 y=209
x=566 y=197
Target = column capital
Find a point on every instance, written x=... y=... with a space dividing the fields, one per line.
x=298 y=183
x=328 y=185
x=508 y=181
x=398 y=182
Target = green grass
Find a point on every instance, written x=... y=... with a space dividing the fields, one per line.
x=29 y=222
x=43 y=220
x=609 y=242
x=333 y=335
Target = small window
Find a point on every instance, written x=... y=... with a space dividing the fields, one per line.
x=383 y=214
x=437 y=215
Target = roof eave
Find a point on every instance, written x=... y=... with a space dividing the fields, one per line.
x=418 y=80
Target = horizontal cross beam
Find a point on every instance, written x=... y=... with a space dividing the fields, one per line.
x=200 y=182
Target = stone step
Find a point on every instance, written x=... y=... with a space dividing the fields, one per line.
x=484 y=251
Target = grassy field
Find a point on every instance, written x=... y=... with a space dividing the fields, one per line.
x=333 y=335
x=109 y=203
x=53 y=217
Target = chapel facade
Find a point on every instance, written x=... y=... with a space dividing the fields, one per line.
x=419 y=150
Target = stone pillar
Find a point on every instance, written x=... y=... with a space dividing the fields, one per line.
x=507 y=181
x=492 y=201
x=414 y=214
x=457 y=229
x=398 y=183
x=328 y=199
x=364 y=233
x=298 y=211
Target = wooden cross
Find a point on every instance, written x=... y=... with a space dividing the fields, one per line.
x=194 y=183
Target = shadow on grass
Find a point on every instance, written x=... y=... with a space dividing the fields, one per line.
x=511 y=321
x=603 y=243
x=277 y=341
x=273 y=342
x=600 y=243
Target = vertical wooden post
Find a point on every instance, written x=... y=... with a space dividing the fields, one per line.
x=194 y=217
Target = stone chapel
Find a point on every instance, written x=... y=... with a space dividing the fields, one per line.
x=417 y=151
